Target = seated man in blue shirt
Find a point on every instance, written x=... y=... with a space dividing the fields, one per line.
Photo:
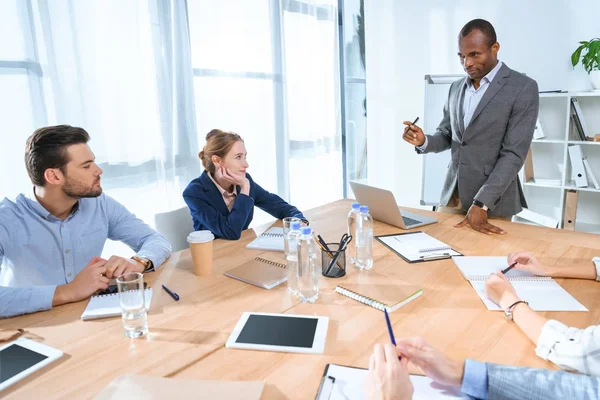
x=388 y=377
x=51 y=238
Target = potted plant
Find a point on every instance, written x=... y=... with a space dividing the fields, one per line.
x=590 y=60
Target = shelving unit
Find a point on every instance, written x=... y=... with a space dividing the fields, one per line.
x=550 y=157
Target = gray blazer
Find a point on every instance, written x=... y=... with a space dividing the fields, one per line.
x=488 y=154
x=518 y=383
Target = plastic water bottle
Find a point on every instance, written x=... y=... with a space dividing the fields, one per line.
x=291 y=256
x=352 y=217
x=308 y=288
x=364 y=239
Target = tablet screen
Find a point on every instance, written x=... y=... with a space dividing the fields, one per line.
x=16 y=359
x=278 y=331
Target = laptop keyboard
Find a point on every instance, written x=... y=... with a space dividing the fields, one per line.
x=410 y=221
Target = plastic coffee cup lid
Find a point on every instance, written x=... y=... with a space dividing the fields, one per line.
x=200 y=237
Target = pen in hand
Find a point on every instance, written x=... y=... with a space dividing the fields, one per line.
x=511 y=266
x=174 y=295
x=414 y=122
x=390 y=331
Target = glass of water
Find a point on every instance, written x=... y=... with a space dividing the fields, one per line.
x=133 y=306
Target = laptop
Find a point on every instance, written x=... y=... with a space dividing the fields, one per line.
x=383 y=207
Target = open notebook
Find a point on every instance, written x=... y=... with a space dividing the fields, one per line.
x=270 y=240
x=388 y=297
x=348 y=383
x=542 y=292
x=417 y=246
x=260 y=272
x=108 y=305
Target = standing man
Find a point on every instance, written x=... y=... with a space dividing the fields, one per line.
x=488 y=124
x=52 y=236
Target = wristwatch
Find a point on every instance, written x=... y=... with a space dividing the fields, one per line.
x=508 y=312
x=148 y=266
x=480 y=205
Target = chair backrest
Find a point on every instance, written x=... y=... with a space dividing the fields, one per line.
x=175 y=225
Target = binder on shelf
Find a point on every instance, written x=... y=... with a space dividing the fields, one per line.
x=570 y=209
x=538 y=133
x=590 y=173
x=528 y=168
x=579 y=116
x=577 y=169
x=538 y=218
x=577 y=123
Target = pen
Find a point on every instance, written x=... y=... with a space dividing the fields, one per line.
x=390 y=331
x=414 y=122
x=174 y=295
x=511 y=266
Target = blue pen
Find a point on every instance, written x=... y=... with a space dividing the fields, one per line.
x=174 y=295
x=390 y=331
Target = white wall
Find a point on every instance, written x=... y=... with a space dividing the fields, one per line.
x=406 y=40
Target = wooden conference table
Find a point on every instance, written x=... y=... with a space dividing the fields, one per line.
x=187 y=338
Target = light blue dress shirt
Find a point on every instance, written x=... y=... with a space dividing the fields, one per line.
x=472 y=98
x=39 y=252
x=475 y=379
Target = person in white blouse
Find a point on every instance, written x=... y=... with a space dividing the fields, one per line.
x=570 y=348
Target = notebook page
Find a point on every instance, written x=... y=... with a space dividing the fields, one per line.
x=541 y=295
x=480 y=268
x=409 y=248
x=109 y=306
x=269 y=240
x=350 y=385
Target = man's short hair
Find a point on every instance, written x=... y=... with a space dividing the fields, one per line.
x=483 y=26
x=47 y=148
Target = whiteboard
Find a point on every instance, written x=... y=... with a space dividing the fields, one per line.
x=435 y=165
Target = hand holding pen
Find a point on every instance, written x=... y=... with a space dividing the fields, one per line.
x=413 y=134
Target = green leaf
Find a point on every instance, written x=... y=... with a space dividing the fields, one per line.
x=576 y=54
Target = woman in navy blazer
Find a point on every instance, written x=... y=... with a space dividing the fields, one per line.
x=222 y=199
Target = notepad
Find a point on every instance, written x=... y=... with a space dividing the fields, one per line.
x=260 y=272
x=108 y=305
x=270 y=240
x=417 y=246
x=541 y=292
x=380 y=297
x=348 y=383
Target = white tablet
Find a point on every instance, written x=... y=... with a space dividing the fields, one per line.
x=280 y=332
x=23 y=357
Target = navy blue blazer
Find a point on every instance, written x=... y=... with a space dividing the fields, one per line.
x=209 y=211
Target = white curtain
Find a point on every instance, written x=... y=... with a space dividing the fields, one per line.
x=149 y=78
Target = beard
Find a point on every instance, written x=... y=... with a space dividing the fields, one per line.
x=78 y=190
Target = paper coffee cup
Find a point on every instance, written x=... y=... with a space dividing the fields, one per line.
x=201 y=246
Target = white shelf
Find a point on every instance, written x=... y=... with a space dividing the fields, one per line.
x=544 y=185
x=550 y=95
x=584 y=143
x=582 y=189
x=585 y=94
x=550 y=141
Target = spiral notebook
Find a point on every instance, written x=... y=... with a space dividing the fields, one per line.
x=417 y=246
x=380 y=297
x=260 y=272
x=108 y=305
x=542 y=292
x=270 y=240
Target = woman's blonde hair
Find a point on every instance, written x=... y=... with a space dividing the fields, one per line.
x=218 y=143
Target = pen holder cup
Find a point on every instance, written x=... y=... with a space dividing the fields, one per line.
x=329 y=268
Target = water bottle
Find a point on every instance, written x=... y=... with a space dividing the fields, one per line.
x=308 y=289
x=364 y=240
x=352 y=217
x=291 y=256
